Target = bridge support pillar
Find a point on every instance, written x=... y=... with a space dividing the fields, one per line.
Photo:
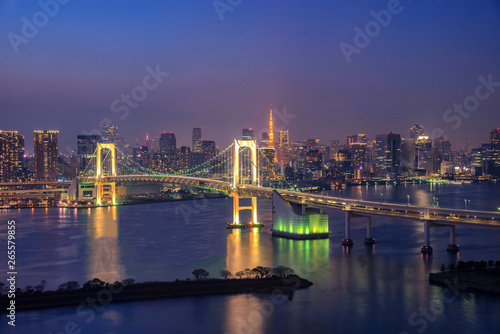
x=426 y=248
x=369 y=240
x=347 y=241
x=452 y=247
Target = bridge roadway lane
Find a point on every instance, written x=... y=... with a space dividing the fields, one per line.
x=435 y=215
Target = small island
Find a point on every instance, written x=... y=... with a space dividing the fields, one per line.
x=279 y=280
x=472 y=276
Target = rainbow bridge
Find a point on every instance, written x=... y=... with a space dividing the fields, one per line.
x=296 y=214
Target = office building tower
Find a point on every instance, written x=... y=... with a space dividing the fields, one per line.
x=283 y=151
x=408 y=154
x=247 y=134
x=357 y=138
x=46 y=153
x=423 y=154
x=168 y=144
x=334 y=148
x=208 y=148
x=416 y=131
x=495 y=136
x=87 y=152
x=197 y=140
x=10 y=158
x=110 y=134
x=388 y=153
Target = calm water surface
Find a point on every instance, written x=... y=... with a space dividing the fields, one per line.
x=380 y=289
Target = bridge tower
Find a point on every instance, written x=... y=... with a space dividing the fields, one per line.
x=105 y=190
x=238 y=145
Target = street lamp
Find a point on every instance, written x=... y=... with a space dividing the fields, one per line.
x=408 y=196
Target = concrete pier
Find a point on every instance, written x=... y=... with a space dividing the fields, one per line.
x=347 y=241
x=369 y=240
x=452 y=247
x=426 y=248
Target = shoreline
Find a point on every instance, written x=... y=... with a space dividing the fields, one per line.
x=487 y=283
x=156 y=290
x=110 y=205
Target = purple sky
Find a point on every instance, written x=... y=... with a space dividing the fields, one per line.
x=225 y=74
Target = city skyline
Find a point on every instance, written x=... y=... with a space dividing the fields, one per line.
x=207 y=75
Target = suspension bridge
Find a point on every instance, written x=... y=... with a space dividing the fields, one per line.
x=240 y=169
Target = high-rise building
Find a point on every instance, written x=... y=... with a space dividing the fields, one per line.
x=283 y=152
x=408 y=154
x=334 y=148
x=209 y=148
x=416 y=131
x=46 y=152
x=10 y=158
x=197 y=140
x=264 y=142
x=184 y=158
x=247 y=134
x=271 y=132
x=423 y=153
x=388 y=153
x=495 y=136
x=168 y=144
x=86 y=149
x=357 y=138
x=21 y=167
x=110 y=134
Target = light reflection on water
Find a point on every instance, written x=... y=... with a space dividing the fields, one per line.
x=355 y=289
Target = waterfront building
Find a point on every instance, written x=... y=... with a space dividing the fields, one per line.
x=11 y=155
x=46 y=153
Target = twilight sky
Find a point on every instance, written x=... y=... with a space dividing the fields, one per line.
x=72 y=73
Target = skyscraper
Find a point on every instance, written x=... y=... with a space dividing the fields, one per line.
x=208 y=148
x=197 y=139
x=247 y=134
x=168 y=144
x=10 y=147
x=46 y=152
x=416 y=131
x=495 y=136
x=423 y=153
x=110 y=134
x=86 y=149
x=388 y=153
x=283 y=147
x=334 y=148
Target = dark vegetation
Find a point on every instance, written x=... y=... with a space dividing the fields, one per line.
x=474 y=276
x=260 y=279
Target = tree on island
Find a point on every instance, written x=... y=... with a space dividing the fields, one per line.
x=93 y=284
x=69 y=286
x=262 y=272
x=225 y=274
x=40 y=287
x=200 y=274
x=239 y=274
x=283 y=271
